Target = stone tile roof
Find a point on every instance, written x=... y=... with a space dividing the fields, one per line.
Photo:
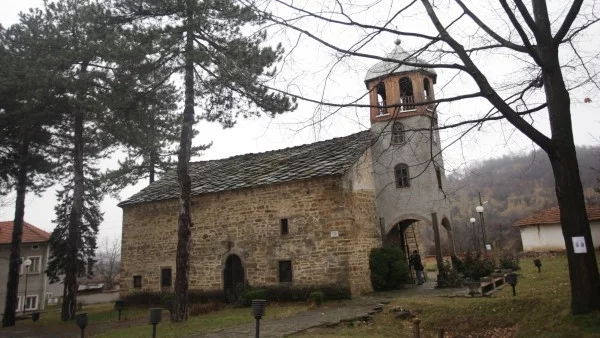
x=31 y=234
x=385 y=68
x=552 y=216
x=331 y=157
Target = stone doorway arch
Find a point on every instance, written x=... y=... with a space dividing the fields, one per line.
x=406 y=235
x=233 y=278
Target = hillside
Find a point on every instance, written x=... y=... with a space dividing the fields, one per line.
x=515 y=187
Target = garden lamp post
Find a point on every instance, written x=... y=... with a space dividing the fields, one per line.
x=27 y=264
x=258 y=310
x=154 y=319
x=81 y=320
x=475 y=237
x=479 y=210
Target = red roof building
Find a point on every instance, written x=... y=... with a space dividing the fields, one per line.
x=542 y=231
x=31 y=234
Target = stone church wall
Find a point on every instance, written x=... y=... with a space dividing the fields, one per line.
x=246 y=222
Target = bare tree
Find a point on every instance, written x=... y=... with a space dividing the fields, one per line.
x=109 y=261
x=546 y=52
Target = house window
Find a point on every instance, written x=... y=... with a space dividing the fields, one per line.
x=36 y=263
x=285 y=271
x=31 y=303
x=398 y=133
x=284 y=226
x=402 y=176
x=438 y=174
x=165 y=277
x=137 y=282
x=19 y=304
x=35 y=247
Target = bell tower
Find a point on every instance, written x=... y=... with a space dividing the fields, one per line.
x=407 y=155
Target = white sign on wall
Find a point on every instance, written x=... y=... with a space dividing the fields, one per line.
x=579 y=244
x=335 y=234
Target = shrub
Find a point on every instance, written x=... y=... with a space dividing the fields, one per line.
x=389 y=269
x=204 y=308
x=299 y=294
x=477 y=265
x=509 y=260
x=253 y=294
x=450 y=277
x=159 y=298
x=316 y=298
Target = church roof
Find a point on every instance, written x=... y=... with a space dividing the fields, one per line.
x=325 y=158
x=384 y=68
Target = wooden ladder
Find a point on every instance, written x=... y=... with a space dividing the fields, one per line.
x=410 y=245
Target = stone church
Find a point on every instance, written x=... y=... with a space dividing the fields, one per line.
x=305 y=216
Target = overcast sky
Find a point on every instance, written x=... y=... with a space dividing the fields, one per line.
x=311 y=62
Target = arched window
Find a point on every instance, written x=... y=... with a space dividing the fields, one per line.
x=426 y=90
x=381 y=99
x=402 y=176
x=406 y=94
x=398 y=133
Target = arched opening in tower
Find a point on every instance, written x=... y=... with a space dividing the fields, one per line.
x=381 y=99
x=405 y=235
x=427 y=94
x=406 y=94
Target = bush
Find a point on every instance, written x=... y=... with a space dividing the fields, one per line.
x=316 y=298
x=297 y=294
x=509 y=260
x=253 y=294
x=159 y=298
x=476 y=265
x=389 y=269
x=450 y=277
x=204 y=308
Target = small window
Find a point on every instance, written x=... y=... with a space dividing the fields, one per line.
x=35 y=247
x=284 y=226
x=36 y=263
x=438 y=174
x=381 y=99
x=402 y=176
x=398 y=133
x=285 y=271
x=31 y=303
x=137 y=282
x=165 y=277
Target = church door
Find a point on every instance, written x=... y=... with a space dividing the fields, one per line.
x=233 y=278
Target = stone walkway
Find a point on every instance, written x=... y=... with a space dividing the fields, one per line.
x=329 y=314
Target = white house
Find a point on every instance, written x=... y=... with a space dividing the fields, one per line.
x=541 y=231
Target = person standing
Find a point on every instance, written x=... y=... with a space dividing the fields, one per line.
x=415 y=262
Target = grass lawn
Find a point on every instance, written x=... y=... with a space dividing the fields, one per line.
x=212 y=321
x=540 y=309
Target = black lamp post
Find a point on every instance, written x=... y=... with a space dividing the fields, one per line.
x=511 y=279
x=258 y=310
x=119 y=306
x=81 y=320
x=26 y=263
x=538 y=264
x=479 y=210
x=155 y=318
x=475 y=237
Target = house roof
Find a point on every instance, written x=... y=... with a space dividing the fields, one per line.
x=31 y=234
x=331 y=157
x=384 y=68
x=552 y=216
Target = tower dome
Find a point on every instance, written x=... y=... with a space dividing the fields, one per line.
x=385 y=68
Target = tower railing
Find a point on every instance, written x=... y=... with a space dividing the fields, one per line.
x=405 y=101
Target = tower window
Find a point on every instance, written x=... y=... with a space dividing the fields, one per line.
x=284 y=226
x=137 y=282
x=438 y=174
x=381 y=99
x=402 y=176
x=398 y=136
x=406 y=94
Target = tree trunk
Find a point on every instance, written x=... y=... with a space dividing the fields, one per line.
x=73 y=238
x=583 y=268
x=180 y=310
x=12 y=286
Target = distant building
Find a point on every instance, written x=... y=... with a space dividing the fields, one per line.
x=306 y=216
x=36 y=248
x=541 y=232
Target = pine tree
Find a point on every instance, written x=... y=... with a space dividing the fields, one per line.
x=29 y=102
x=221 y=67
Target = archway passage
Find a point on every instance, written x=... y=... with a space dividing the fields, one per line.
x=405 y=236
x=233 y=277
x=448 y=227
